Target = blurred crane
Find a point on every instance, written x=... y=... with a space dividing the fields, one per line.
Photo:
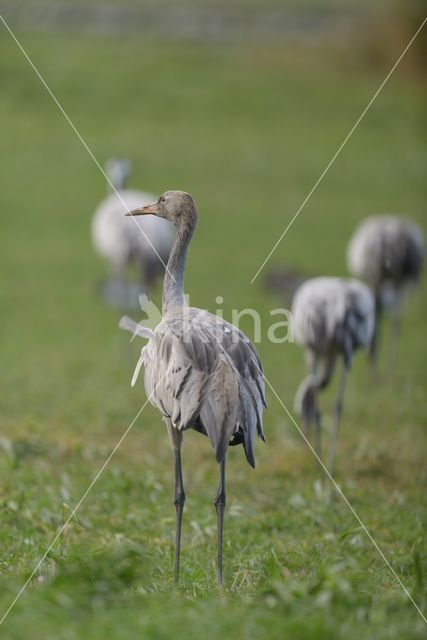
x=332 y=318
x=116 y=238
x=200 y=371
x=387 y=252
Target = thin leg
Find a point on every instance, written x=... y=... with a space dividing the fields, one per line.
x=318 y=423
x=312 y=363
x=318 y=433
x=307 y=429
x=220 y=501
x=395 y=335
x=179 y=506
x=179 y=497
x=373 y=349
x=337 y=418
x=323 y=380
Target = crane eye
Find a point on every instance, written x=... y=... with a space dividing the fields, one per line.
x=163 y=199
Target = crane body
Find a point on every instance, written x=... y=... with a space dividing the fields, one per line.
x=200 y=372
x=332 y=319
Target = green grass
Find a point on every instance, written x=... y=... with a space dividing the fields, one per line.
x=247 y=131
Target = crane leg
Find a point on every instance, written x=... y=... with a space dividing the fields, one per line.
x=312 y=362
x=337 y=418
x=307 y=429
x=318 y=424
x=395 y=336
x=179 y=497
x=373 y=348
x=220 y=502
x=318 y=435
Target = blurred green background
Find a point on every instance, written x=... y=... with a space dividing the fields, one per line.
x=245 y=117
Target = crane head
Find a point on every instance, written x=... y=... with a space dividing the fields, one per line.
x=176 y=206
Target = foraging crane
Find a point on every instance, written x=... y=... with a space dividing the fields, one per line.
x=200 y=371
x=332 y=318
x=387 y=252
x=116 y=238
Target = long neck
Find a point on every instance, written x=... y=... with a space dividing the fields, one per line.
x=173 y=283
x=320 y=380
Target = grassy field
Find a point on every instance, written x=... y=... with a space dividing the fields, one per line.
x=248 y=132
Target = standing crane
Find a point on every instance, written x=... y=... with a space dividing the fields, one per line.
x=201 y=372
x=117 y=239
x=332 y=318
x=388 y=252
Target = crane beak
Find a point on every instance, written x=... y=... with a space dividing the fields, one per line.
x=148 y=209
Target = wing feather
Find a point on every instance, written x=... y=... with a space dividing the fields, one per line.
x=202 y=370
x=218 y=412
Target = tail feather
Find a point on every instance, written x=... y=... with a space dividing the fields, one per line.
x=218 y=414
x=248 y=420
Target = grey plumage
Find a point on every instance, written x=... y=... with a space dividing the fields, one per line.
x=203 y=373
x=386 y=249
x=332 y=318
x=388 y=252
x=200 y=371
